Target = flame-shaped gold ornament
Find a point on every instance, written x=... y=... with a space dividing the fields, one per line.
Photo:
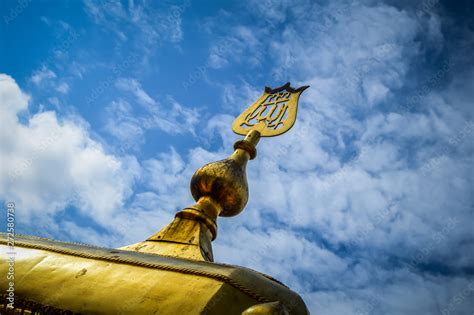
x=273 y=114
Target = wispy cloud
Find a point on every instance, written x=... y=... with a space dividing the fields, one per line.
x=63 y=88
x=151 y=23
x=129 y=125
x=42 y=75
x=133 y=86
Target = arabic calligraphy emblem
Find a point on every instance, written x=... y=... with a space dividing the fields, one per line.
x=272 y=114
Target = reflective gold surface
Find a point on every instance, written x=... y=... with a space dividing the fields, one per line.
x=92 y=280
x=272 y=308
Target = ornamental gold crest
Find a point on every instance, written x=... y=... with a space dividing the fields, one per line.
x=272 y=114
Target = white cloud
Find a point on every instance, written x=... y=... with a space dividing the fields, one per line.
x=242 y=45
x=48 y=163
x=78 y=70
x=237 y=96
x=151 y=23
x=63 y=88
x=54 y=100
x=41 y=75
x=133 y=86
x=123 y=125
x=12 y=99
x=46 y=78
x=129 y=125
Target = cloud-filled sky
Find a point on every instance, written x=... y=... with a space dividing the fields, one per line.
x=364 y=207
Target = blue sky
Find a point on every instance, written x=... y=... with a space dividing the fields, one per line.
x=364 y=207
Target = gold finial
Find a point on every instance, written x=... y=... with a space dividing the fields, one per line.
x=225 y=181
x=273 y=114
x=220 y=188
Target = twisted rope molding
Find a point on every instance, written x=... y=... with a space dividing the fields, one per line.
x=133 y=262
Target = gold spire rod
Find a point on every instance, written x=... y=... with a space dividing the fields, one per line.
x=220 y=188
